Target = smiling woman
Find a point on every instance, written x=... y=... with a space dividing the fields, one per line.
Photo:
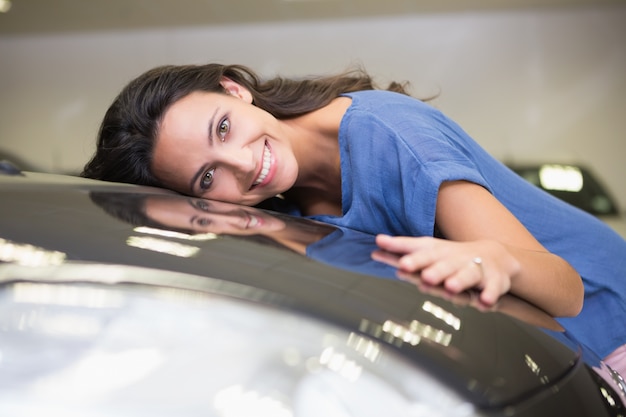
x=342 y=151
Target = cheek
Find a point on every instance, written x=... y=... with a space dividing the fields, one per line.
x=225 y=189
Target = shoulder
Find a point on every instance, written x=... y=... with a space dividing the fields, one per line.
x=367 y=97
x=378 y=111
x=391 y=107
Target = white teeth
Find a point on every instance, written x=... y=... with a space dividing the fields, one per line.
x=253 y=222
x=267 y=158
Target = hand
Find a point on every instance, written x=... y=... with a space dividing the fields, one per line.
x=451 y=264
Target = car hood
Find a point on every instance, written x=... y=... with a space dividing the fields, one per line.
x=498 y=357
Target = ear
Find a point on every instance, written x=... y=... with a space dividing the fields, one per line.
x=236 y=90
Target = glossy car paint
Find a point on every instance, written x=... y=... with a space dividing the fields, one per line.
x=513 y=360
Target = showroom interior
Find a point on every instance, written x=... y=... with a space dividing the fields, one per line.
x=529 y=80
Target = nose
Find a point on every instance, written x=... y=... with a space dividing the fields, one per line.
x=240 y=160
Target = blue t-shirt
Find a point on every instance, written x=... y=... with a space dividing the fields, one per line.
x=396 y=151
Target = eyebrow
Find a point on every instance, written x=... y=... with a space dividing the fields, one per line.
x=194 y=217
x=204 y=167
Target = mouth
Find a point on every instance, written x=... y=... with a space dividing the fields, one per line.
x=265 y=168
x=252 y=222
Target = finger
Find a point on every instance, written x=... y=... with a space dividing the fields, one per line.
x=494 y=285
x=494 y=288
x=435 y=268
x=438 y=270
x=462 y=298
x=489 y=295
x=468 y=275
x=402 y=244
x=464 y=279
x=477 y=303
x=386 y=257
x=424 y=261
x=411 y=277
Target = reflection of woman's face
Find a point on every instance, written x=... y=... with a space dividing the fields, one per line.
x=204 y=216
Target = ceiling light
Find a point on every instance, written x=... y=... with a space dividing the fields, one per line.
x=5 y=6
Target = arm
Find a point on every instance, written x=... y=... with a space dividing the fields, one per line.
x=476 y=224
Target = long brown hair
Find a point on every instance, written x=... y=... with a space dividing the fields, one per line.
x=130 y=126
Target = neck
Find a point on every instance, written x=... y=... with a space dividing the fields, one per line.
x=317 y=189
x=312 y=202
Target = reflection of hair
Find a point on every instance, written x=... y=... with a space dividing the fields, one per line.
x=130 y=125
x=130 y=208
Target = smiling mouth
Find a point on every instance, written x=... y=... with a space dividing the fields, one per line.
x=265 y=169
x=253 y=221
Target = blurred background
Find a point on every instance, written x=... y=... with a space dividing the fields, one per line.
x=531 y=80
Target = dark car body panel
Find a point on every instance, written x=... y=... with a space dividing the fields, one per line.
x=486 y=359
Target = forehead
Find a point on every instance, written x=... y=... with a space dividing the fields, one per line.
x=192 y=105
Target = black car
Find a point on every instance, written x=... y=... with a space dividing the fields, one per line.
x=577 y=185
x=120 y=300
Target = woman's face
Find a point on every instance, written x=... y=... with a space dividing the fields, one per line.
x=203 y=216
x=220 y=146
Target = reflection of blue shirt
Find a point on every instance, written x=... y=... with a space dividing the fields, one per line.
x=395 y=153
x=351 y=250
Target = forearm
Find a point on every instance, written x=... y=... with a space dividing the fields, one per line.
x=547 y=281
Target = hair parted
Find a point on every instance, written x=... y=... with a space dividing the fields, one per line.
x=126 y=137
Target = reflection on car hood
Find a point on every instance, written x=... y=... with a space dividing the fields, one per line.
x=490 y=357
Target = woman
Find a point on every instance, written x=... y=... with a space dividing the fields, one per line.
x=341 y=151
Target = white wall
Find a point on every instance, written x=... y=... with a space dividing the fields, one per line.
x=526 y=84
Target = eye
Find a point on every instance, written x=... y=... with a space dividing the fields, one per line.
x=207 y=179
x=203 y=222
x=223 y=128
x=202 y=205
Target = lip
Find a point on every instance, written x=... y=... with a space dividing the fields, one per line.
x=253 y=221
x=272 y=168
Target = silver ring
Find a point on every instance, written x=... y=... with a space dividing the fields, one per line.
x=478 y=261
